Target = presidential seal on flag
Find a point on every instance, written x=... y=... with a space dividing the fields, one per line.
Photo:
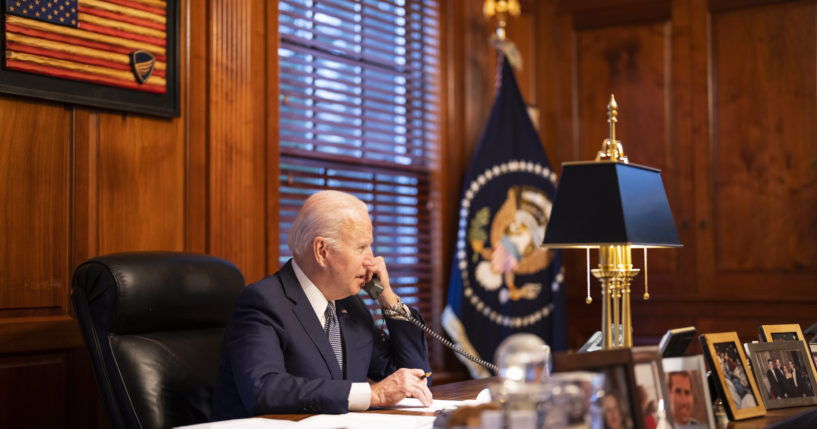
x=504 y=244
x=502 y=282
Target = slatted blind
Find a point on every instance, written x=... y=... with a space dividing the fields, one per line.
x=359 y=113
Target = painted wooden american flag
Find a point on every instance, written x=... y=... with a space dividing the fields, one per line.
x=87 y=40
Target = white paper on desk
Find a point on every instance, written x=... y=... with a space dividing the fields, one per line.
x=250 y=423
x=413 y=404
x=366 y=421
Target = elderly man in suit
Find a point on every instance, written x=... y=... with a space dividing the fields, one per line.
x=302 y=340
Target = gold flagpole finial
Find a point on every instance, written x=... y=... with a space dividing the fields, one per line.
x=502 y=9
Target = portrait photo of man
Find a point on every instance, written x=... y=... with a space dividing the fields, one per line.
x=686 y=398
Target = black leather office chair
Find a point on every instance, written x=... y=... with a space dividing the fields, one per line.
x=153 y=324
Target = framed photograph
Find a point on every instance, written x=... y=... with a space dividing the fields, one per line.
x=106 y=54
x=789 y=332
x=735 y=383
x=689 y=399
x=619 y=401
x=651 y=390
x=784 y=374
x=813 y=349
x=675 y=341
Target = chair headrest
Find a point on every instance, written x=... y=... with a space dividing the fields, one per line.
x=130 y=293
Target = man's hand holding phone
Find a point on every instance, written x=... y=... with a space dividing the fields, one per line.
x=376 y=271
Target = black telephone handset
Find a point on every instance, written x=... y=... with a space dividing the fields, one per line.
x=374 y=288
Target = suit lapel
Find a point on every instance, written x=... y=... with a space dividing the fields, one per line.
x=309 y=321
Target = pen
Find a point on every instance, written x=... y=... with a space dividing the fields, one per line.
x=424 y=376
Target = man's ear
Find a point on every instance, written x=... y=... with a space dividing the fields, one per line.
x=320 y=248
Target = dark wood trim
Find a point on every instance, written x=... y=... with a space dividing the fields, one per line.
x=273 y=169
x=716 y=6
x=595 y=14
x=36 y=334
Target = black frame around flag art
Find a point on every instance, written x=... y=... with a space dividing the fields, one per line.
x=44 y=76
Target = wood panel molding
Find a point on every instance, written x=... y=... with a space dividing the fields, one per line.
x=195 y=100
x=237 y=135
x=763 y=139
x=85 y=186
x=34 y=189
x=31 y=334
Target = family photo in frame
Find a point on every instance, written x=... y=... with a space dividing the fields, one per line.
x=784 y=373
x=735 y=383
x=619 y=403
x=651 y=391
x=785 y=332
x=689 y=400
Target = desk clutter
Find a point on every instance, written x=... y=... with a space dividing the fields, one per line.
x=649 y=387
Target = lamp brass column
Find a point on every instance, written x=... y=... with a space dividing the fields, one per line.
x=615 y=272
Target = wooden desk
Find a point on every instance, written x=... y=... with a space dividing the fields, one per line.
x=800 y=417
x=458 y=391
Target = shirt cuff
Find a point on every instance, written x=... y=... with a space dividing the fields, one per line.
x=360 y=396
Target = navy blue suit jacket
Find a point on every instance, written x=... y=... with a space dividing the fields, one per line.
x=276 y=357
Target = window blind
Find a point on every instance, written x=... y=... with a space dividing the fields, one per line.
x=359 y=113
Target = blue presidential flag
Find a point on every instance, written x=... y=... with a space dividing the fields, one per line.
x=502 y=283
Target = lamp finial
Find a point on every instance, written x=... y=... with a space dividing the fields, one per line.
x=611 y=148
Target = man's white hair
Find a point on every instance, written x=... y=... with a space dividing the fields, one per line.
x=323 y=214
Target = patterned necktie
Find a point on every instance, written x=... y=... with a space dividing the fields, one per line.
x=332 y=330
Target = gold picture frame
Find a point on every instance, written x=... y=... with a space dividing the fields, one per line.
x=785 y=332
x=735 y=380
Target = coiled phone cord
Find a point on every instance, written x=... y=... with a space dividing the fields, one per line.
x=447 y=343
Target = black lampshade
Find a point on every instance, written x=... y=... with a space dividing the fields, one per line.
x=610 y=203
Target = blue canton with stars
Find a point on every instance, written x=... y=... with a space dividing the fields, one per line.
x=60 y=12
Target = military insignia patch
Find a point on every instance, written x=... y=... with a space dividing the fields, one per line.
x=142 y=63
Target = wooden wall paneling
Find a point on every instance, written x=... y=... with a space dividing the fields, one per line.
x=521 y=31
x=32 y=391
x=34 y=182
x=470 y=68
x=443 y=360
x=764 y=107
x=237 y=140
x=272 y=139
x=84 y=186
x=84 y=408
x=195 y=98
x=141 y=183
x=547 y=96
x=636 y=60
x=681 y=169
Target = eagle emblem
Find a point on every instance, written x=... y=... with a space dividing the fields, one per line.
x=512 y=246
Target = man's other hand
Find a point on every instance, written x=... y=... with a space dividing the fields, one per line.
x=403 y=383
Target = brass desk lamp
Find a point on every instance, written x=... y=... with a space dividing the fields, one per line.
x=614 y=206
